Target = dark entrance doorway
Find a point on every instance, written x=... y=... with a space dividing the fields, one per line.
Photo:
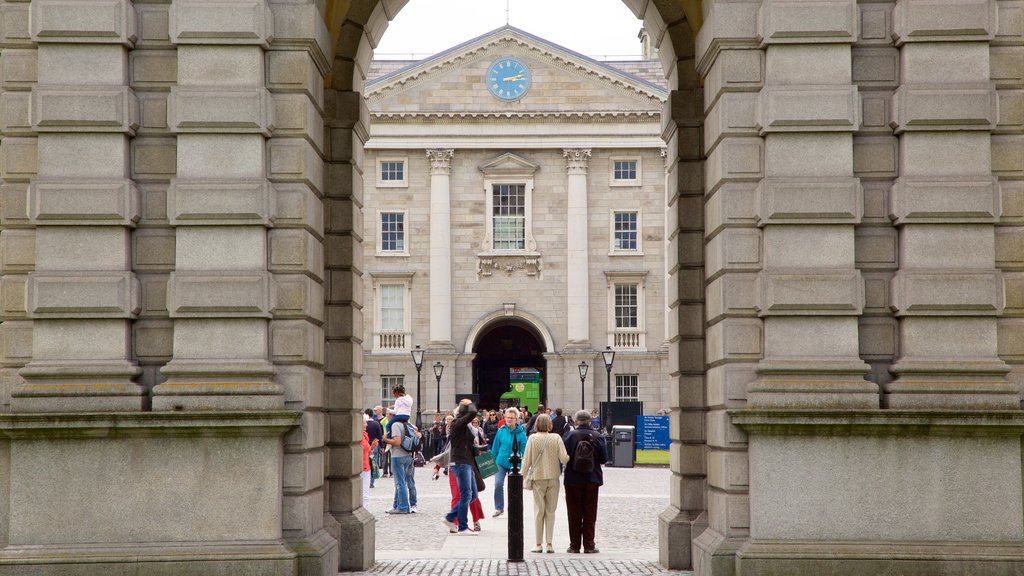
x=503 y=347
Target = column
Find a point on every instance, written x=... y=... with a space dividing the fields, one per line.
x=83 y=294
x=577 y=263
x=220 y=205
x=440 y=249
x=947 y=293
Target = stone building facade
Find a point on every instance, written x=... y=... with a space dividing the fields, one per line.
x=581 y=155
x=183 y=284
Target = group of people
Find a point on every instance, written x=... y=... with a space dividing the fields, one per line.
x=549 y=445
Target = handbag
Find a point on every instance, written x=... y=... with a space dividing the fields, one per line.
x=485 y=464
x=374 y=469
x=480 y=485
x=528 y=479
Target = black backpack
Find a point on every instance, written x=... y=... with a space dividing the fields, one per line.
x=584 y=456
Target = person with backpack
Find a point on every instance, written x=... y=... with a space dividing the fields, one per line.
x=583 y=478
x=405 y=440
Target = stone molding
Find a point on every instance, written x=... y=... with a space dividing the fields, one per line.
x=16 y=114
x=955 y=292
x=944 y=21
x=300 y=26
x=150 y=424
x=83 y=295
x=530 y=264
x=547 y=116
x=221 y=294
x=85 y=109
x=878 y=422
x=295 y=160
x=918 y=107
x=834 y=200
x=809 y=108
x=218 y=22
x=945 y=201
x=83 y=21
x=206 y=110
x=808 y=22
x=83 y=202
x=576 y=160
x=241 y=202
x=440 y=160
x=811 y=293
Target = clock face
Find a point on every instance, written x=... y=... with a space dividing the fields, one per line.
x=508 y=79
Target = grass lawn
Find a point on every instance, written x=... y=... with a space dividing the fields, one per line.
x=657 y=457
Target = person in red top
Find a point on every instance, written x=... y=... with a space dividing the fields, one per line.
x=365 y=474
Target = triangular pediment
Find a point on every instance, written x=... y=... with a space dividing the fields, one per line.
x=509 y=164
x=453 y=83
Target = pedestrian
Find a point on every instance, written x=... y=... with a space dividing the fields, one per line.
x=460 y=444
x=533 y=420
x=558 y=423
x=545 y=454
x=512 y=432
x=403 y=470
x=437 y=435
x=442 y=462
x=595 y=420
x=491 y=428
x=583 y=478
x=402 y=410
x=366 y=474
x=479 y=438
x=375 y=433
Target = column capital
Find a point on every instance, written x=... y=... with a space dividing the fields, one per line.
x=440 y=160
x=576 y=159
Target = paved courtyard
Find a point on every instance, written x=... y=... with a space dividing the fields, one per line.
x=627 y=532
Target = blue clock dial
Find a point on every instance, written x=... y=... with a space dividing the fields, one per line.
x=508 y=79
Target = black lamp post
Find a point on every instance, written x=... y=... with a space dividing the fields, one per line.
x=417 y=359
x=609 y=358
x=583 y=389
x=438 y=369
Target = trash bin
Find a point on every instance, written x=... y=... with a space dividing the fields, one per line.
x=623 y=446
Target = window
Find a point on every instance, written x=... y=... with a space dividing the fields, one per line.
x=392 y=173
x=392 y=233
x=625 y=171
x=626 y=325
x=387 y=381
x=391 y=316
x=625 y=232
x=627 y=387
x=509 y=216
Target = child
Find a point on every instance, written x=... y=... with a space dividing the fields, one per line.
x=402 y=409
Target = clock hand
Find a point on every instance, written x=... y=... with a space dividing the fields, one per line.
x=512 y=78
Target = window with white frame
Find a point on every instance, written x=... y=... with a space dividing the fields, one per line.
x=508 y=216
x=625 y=171
x=625 y=232
x=626 y=323
x=392 y=233
x=392 y=172
x=391 y=314
x=387 y=382
x=627 y=387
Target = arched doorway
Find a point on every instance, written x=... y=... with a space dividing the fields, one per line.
x=508 y=353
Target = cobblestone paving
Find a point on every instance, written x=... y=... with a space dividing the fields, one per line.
x=528 y=568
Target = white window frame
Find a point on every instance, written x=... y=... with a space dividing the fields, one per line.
x=380 y=233
x=392 y=341
x=612 y=181
x=386 y=399
x=403 y=183
x=630 y=339
x=530 y=245
x=635 y=385
x=612 y=250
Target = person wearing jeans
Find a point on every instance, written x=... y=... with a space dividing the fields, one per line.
x=510 y=433
x=404 y=472
x=460 y=439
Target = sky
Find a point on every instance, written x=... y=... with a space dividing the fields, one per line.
x=426 y=27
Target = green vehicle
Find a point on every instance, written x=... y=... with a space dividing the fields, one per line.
x=524 y=388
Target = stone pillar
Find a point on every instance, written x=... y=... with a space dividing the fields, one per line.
x=18 y=163
x=947 y=292
x=440 y=249
x=83 y=293
x=810 y=292
x=577 y=262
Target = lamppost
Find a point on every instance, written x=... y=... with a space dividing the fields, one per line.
x=583 y=389
x=438 y=369
x=609 y=357
x=417 y=359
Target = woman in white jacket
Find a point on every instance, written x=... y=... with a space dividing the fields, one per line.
x=545 y=453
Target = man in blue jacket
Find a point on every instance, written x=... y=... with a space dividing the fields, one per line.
x=509 y=433
x=583 y=477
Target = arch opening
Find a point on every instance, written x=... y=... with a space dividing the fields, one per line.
x=509 y=359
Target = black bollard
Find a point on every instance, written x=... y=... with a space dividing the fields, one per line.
x=515 y=506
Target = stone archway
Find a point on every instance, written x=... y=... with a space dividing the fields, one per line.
x=356 y=27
